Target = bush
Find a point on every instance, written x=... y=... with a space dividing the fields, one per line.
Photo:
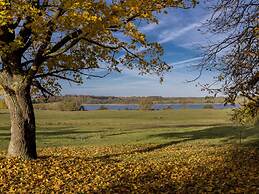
x=102 y=107
x=208 y=106
x=146 y=104
x=66 y=105
x=209 y=99
x=169 y=107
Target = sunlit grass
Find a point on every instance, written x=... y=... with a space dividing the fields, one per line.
x=55 y=128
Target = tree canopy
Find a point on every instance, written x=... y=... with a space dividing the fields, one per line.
x=48 y=40
x=43 y=41
x=236 y=55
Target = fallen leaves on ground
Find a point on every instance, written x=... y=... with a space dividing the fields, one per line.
x=181 y=168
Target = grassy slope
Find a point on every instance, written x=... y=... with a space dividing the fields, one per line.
x=131 y=127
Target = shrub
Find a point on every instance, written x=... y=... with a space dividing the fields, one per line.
x=209 y=99
x=102 y=107
x=146 y=104
x=66 y=105
x=208 y=106
x=169 y=107
x=69 y=105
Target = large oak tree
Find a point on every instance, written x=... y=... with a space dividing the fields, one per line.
x=43 y=41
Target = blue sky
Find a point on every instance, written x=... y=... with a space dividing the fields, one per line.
x=178 y=34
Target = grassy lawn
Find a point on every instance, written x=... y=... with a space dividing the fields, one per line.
x=132 y=127
x=170 y=151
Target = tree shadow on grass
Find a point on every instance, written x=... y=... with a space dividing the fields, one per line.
x=227 y=133
x=56 y=131
x=152 y=126
x=5 y=133
x=69 y=131
x=146 y=127
x=4 y=128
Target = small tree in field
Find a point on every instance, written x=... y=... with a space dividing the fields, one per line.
x=43 y=41
x=145 y=104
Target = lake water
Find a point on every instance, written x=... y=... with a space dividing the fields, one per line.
x=155 y=106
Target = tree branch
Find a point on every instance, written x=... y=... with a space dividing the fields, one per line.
x=44 y=91
x=64 y=41
x=54 y=73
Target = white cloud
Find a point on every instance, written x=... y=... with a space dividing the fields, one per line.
x=149 y=27
x=178 y=32
x=187 y=61
x=162 y=22
x=172 y=35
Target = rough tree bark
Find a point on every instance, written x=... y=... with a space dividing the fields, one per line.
x=23 y=138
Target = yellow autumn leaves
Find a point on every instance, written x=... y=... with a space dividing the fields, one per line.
x=3 y=13
x=18 y=8
x=182 y=168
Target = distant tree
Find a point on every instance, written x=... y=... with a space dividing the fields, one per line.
x=146 y=104
x=208 y=106
x=236 y=56
x=69 y=105
x=102 y=107
x=209 y=99
x=43 y=41
x=169 y=107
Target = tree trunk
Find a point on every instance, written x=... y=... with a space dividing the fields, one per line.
x=23 y=138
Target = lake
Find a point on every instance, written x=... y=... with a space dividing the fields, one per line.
x=155 y=106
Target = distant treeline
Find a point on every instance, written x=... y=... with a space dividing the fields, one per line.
x=127 y=100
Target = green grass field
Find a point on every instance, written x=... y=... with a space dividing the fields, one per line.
x=56 y=128
x=169 y=151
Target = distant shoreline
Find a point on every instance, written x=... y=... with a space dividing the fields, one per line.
x=113 y=100
x=154 y=104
